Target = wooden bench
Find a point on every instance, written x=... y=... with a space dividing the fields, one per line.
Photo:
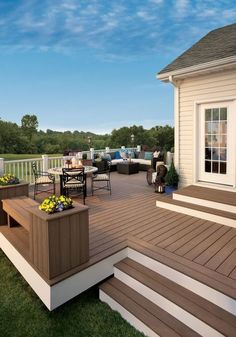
x=17 y=211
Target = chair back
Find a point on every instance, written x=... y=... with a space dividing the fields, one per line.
x=103 y=166
x=73 y=176
x=34 y=169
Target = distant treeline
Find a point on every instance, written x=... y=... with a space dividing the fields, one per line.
x=26 y=138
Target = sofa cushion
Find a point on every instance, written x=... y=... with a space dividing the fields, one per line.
x=148 y=155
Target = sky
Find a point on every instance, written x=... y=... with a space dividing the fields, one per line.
x=91 y=65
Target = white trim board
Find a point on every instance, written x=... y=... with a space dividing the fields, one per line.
x=78 y=283
x=199 y=214
x=59 y=293
x=204 y=202
x=37 y=283
x=134 y=321
x=182 y=315
x=210 y=294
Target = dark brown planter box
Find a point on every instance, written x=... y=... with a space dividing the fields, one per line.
x=11 y=191
x=60 y=241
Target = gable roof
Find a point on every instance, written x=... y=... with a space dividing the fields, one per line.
x=216 y=45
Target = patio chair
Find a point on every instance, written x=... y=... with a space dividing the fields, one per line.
x=42 y=180
x=101 y=179
x=74 y=182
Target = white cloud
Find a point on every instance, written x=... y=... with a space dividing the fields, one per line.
x=115 y=29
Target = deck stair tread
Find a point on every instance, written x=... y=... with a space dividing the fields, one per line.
x=198 y=272
x=204 y=209
x=157 y=319
x=214 y=195
x=211 y=314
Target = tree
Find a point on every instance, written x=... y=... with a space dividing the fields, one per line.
x=29 y=125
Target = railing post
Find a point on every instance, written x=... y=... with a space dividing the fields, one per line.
x=45 y=162
x=92 y=153
x=138 y=148
x=1 y=166
x=107 y=149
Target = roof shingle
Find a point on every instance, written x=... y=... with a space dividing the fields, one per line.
x=217 y=44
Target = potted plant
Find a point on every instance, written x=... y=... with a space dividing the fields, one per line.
x=172 y=177
x=55 y=204
x=8 y=179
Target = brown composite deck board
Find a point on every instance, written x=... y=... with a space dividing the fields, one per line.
x=209 y=194
x=189 y=244
x=228 y=265
x=205 y=209
x=176 y=233
x=150 y=314
x=161 y=226
x=113 y=220
x=216 y=247
x=194 y=252
x=222 y=255
x=233 y=274
x=191 y=236
x=204 y=310
x=19 y=237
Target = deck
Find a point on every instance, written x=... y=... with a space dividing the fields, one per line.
x=130 y=213
x=201 y=247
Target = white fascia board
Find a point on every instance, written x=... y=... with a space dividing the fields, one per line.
x=199 y=68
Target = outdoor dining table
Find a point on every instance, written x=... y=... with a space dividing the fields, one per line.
x=57 y=171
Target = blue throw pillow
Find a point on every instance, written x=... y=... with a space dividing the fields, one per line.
x=148 y=155
x=117 y=155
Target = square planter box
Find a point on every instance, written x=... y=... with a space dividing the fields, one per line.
x=11 y=191
x=59 y=242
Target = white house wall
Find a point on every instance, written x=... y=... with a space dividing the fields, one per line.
x=205 y=88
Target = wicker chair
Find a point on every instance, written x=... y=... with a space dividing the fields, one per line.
x=74 y=182
x=42 y=180
x=101 y=179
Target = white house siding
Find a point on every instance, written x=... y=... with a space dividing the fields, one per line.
x=198 y=89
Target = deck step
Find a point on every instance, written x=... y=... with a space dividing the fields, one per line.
x=207 y=197
x=193 y=310
x=202 y=212
x=214 y=287
x=142 y=313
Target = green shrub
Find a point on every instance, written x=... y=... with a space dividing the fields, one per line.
x=172 y=177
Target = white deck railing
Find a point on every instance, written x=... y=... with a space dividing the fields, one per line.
x=23 y=168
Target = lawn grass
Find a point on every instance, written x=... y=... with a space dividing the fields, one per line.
x=22 y=314
x=14 y=156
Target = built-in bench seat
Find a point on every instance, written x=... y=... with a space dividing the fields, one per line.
x=17 y=211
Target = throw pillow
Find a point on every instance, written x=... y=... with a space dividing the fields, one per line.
x=112 y=154
x=117 y=155
x=141 y=155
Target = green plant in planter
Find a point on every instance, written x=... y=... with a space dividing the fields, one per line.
x=55 y=204
x=172 y=177
x=85 y=156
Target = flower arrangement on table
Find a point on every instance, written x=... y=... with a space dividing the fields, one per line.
x=8 y=179
x=55 y=204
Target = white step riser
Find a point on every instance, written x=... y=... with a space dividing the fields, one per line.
x=210 y=294
x=135 y=322
x=196 y=213
x=205 y=203
x=186 y=318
